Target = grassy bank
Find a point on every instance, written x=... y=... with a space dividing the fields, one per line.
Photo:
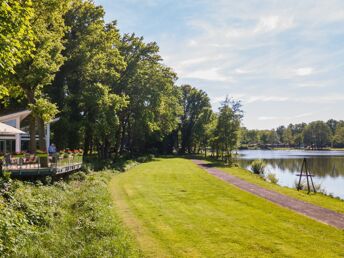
x=74 y=219
x=317 y=199
x=176 y=209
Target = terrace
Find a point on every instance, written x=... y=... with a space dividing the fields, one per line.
x=41 y=164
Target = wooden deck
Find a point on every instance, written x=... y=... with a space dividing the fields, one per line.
x=59 y=166
x=48 y=171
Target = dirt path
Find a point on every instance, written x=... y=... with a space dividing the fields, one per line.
x=315 y=212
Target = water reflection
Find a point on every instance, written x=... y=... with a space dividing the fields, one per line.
x=321 y=167
x=327 y=166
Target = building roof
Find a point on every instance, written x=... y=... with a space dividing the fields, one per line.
x=10 y=116
x=7 y=129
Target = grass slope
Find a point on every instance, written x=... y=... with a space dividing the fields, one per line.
x=317 y=199
x=176 y=209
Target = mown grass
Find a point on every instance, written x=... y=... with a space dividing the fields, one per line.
x=176 y=209
x=74 y=219
x=317 y=199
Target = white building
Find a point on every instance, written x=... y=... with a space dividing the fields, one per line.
x=17 y=141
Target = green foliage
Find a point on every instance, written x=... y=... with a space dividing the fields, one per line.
x=197 y=114
x=74 y=219
x=15 y=35
x=271 y=177
x=338 y=139
x=228 y=127
x=317 y=134
x=258 y=167
x=45 y=109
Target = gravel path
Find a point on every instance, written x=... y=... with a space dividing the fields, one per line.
x=315 y=212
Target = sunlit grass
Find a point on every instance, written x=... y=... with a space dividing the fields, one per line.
x=176 y=209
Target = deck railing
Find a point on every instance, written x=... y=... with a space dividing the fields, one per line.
x=36 y=162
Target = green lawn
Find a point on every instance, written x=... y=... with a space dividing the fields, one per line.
x=317 y=199
x=176 y=209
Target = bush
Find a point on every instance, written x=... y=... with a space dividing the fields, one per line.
x=271 y=177
x=74 y=219
x=146 y=158
x=78 y=176
x=258 y=167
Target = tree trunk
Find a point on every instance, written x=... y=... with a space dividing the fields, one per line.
x=87 y=140
x=44 y=161
x=41 y=134
x=32 y=132
x=32 y=123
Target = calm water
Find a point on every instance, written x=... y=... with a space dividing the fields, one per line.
x=327 y=166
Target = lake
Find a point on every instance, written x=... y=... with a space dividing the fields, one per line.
x=326 y=166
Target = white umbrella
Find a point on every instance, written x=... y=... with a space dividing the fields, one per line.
x=7 y=129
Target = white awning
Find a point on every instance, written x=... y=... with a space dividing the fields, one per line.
x=6 y=129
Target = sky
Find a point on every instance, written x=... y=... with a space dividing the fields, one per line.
x=283 y=59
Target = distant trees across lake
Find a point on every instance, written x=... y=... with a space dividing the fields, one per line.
x=315 y=135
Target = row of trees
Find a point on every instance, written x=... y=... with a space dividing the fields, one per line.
x=317 y=134
x=111 y=92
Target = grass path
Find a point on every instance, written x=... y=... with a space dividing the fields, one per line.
x=176 y=209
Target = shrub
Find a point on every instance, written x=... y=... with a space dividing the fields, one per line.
x=145 y=158
x=258 y=167
x=78 y=176
x=272 y=178
x=86 y=168
x=74 y=219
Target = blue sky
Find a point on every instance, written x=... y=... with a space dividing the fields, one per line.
x=283 y=59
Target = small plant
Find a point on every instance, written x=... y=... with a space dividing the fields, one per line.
x=300 y=186
x=258 y=167
x=86 y=168
x=78 y=176
x=272 y=178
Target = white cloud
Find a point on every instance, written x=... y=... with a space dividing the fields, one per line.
x=211 y=74
x=241 y=71
x=264 y=118
x=265 y=98
x=304 y=71
x=273 y=22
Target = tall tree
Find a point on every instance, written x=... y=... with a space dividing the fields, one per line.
x=15 y=33
x=204 y=130
x=228 y=126
x=93 y=63
x=317 y=134
x=338 y=138
x=194 y=103
x=153 y=107
x=38 y=70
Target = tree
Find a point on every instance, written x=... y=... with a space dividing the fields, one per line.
x=153 y=108
x=15 y=33
x=204 y=129
x=338 y=138
x=317 y=135
x=38 y=70
x=194 y=103
x=281 y=133
x=332 y=124
x=93 y=64
x=228 y=126
x=103 y=107
x=288 y=137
